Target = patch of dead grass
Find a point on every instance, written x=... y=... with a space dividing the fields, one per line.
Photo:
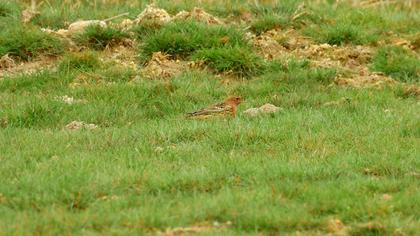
x=412 y=90
x=365 y=80
x=86 y=79
x=336 y=227
x=204 y=227
x=351 y=61
x=6 y=62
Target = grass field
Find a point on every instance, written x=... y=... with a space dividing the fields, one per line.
x=341 y=157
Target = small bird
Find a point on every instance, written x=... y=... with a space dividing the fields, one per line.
x=228 y=107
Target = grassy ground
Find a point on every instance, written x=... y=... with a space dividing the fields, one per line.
x=336 y=159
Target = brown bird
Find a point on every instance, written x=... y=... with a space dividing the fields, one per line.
x=228 y=107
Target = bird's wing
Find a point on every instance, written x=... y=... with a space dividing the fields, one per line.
x=220 y=108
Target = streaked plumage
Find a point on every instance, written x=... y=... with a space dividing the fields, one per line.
x=228 y=107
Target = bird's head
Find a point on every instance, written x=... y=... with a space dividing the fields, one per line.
x=234 y=100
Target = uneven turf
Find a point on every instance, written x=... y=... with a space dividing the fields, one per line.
x=335 y=159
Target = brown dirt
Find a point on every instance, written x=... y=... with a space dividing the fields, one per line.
x=153 y=14
x=412 y=90
x=197 y=14
x=291 y=39
x=350 y=57
x=369 y=227
x=336 y=227
x=160 y=16
x=276 y=44
x=16 y=67
x=365 y=79
x=162 y=67
x=6 y=62
x=409 y=4
x=350 y=60
x=267 y=45
x=204 y=227
x=123 y=55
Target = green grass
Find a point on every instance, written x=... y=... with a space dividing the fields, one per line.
x=26 y=42
x=398 y=63
x=145 y=29
x=222 y=48
x=267 y=22
x=83 y=61
x=292 y=171
x=415 y=41
x=42 y=80
x=241 y=61
x=146 y=168
x=5 y=9
x=182 y=38
x=342 y=34
x=58 y=14
x=97 y=37
x=9 y=12
x=359 y=26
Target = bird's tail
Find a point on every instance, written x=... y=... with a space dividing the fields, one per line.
x=189 y=115
x=192 y=114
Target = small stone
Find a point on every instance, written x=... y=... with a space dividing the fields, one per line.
x=252 y=112
x=266 y=108
x=269 y=108
x=76 y=125
x=69 y=100
x=80 y=26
